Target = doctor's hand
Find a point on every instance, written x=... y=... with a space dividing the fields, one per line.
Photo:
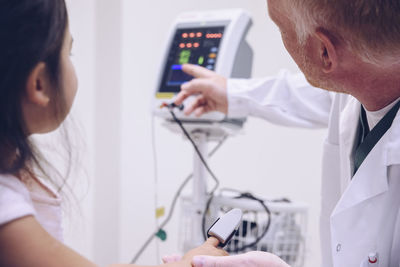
x=250 y=259
x=209 y=88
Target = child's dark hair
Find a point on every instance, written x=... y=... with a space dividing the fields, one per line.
x=31 y=31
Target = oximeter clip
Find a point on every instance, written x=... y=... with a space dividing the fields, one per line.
x=225 y=227
x=172 y=106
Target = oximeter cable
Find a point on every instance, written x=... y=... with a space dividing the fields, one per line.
x=181 y=187
x=243 y=195
x=258 y=239
x=179 y=122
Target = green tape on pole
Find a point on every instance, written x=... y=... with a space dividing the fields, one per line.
x=162 y=235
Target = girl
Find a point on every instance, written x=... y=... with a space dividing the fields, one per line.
x=37 y=88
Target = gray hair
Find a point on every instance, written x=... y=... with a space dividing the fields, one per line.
x=370 y=28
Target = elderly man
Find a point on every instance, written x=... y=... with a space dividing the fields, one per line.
x=351 y=49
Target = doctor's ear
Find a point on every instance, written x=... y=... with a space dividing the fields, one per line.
x=38 y=86
x=327 y=50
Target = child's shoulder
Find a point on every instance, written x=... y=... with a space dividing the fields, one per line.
x=10 y=184
x=15 y=201
x=20 y=197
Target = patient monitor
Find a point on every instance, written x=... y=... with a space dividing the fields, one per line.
x=212 y=39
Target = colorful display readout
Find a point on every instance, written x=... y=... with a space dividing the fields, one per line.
x=214 y=35
x=190 y=45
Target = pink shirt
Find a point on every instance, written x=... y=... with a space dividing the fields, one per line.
x=30 y=197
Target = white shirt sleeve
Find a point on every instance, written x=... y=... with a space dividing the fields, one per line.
x=15 y=201
x=286 y=99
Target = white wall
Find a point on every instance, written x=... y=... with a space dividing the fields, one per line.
x=96 y=28
x=79 y=216
x=268 y=160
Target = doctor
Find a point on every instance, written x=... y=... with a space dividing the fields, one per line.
x=350 y=49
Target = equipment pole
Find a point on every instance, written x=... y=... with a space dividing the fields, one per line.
x=199 y=197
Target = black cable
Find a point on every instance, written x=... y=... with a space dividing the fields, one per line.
x=258 y=239
x=244 y=195
x=203 y=218
x=205 y=165
x=197 y=150
x=181 y=187
x=264 y=233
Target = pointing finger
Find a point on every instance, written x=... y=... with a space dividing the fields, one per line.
x=197 y=71
x=197 y=86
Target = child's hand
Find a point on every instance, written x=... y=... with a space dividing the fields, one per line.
x=171 y=258
x=250 y=259
x=208 y=248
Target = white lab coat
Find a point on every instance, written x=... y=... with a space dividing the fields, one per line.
x=359 y=216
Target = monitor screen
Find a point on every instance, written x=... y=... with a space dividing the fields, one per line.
x=198 y=46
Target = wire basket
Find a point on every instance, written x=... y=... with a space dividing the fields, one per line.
x=285 y=237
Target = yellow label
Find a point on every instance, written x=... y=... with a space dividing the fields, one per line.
x=165 y=95
x=160 y=212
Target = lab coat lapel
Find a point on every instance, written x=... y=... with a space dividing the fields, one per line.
x=371 y=178
x=348 y=126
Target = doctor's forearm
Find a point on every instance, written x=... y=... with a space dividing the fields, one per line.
x=286 y=99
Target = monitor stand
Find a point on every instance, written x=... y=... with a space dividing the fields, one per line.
x=202 y=132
